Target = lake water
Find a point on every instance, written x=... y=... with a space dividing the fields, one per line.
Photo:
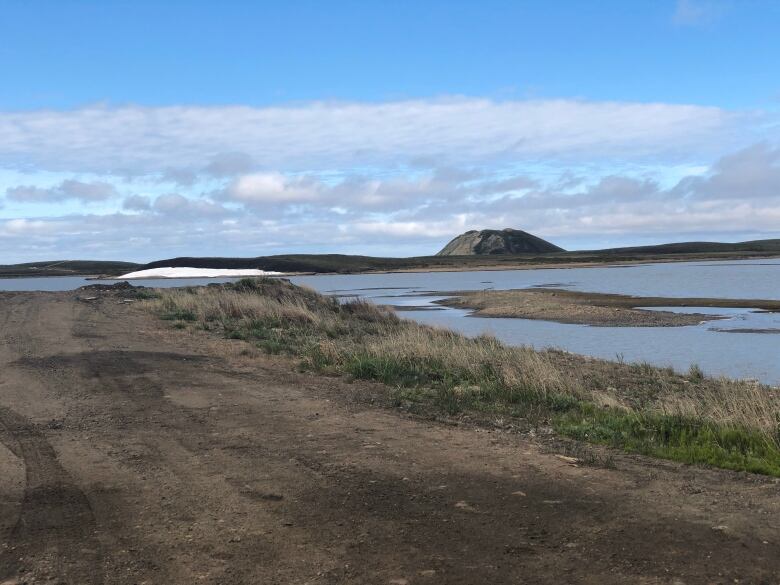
x=723 y=347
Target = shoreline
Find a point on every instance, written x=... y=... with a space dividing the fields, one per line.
x=686 y=416
x=492 y=263
x=547 y=265
x=595 y=309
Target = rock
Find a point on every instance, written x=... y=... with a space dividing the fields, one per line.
x=124 y=285
x=569 y=460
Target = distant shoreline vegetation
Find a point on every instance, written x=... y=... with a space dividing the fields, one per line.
x=639 y=408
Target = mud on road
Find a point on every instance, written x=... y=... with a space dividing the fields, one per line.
x=131 y=452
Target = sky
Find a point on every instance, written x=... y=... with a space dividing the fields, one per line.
x=140 y=130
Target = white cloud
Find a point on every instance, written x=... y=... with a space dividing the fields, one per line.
x=697 y=12
x=405 y=229
x=318 y=136
x=26 y=227
x=273 y=188
x=752 y=173
x=378 y=177
x=738 y=198
x=137 y=203
x=182 y=208
x=356 y=193
x=69 y=189
x=228 y=164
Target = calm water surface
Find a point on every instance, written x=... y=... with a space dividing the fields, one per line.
x=740 y=353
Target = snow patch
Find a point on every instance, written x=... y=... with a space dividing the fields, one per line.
x=185 y=272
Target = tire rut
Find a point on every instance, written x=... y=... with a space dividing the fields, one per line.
x=55 y=530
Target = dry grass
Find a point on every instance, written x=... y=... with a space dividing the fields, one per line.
x=727 y=402
x=635 y=406
x=598 y=309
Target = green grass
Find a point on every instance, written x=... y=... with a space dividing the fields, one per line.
x=634 y=407
x=673 y=437
x=141 y=294
x=178 y=315
x=669 y=437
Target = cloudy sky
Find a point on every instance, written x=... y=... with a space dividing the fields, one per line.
x=146 y=130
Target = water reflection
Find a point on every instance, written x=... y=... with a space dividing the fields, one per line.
x=741 y=346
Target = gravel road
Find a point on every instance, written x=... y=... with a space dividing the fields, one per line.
x=131 y=452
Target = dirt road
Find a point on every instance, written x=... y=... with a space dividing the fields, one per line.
x=131 y=452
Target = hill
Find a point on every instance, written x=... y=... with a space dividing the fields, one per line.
x=340 y=263
x=66 y=268
x=489 y=242
x=698 y=248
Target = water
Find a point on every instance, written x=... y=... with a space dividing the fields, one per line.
x=747 y=279
x=730 y=347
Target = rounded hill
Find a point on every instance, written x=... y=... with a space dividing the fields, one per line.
x=506 y=241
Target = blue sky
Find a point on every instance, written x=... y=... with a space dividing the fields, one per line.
x=146 y=129
x=67 y=54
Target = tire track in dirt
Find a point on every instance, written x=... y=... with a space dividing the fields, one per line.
x=202 y=465
x=15 y=338
x=56 y=525
x=54 y=532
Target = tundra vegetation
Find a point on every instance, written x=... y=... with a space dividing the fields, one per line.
x=640 y=408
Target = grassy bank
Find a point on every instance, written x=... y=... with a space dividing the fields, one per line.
x=635 y=407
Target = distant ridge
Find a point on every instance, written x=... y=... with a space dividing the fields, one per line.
x=506 y=241
x=339 y=263
x=697 y=248
x=65 y=268
x=551 y=255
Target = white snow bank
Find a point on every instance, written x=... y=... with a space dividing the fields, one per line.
x=184 y=272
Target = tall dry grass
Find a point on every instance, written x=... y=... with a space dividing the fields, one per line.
x=726 y=402
x=636 y=405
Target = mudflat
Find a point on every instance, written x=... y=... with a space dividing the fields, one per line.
x=588 y=308
x=132 y=452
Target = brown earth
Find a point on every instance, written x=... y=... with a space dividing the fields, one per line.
x=588 y=308
x=132 y=452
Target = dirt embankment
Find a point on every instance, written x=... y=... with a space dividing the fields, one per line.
x=131 y=452
x=585 y=308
